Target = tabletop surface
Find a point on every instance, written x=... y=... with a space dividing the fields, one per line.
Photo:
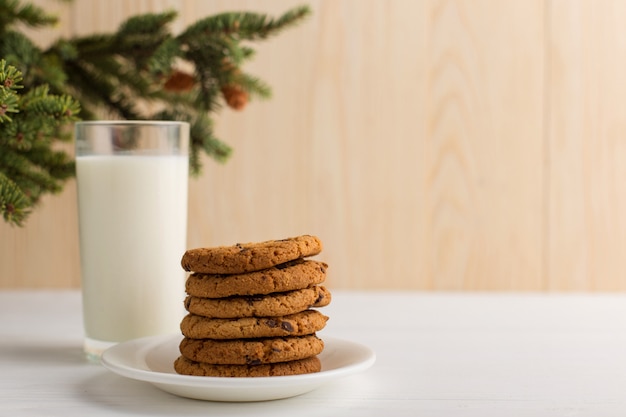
x=438 y=354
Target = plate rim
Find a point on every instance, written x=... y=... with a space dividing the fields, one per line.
x=146 y=344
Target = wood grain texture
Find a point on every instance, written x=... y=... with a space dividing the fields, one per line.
x=587 y=154
x=45 y=252
x=433 y=144
x=484 y=144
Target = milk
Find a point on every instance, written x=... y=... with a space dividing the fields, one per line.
x=133 y=222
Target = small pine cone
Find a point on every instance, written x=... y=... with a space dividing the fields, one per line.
x=228 y=66
x=179 y=82
x=235 y=96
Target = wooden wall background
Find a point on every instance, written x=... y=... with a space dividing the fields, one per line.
x=432 y=145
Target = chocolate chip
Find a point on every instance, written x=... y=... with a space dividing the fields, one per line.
x=251 y=299
x=271 y=323
x=253 y=361
x=285 y=325
x=319 y=298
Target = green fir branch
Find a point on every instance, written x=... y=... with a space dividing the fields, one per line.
x=147 y=24
x=8 y=104
x=255 y=85
x=244 y=25
x=127 y=74
x=29 y=167
x=10 y=77
x=161 y=61
x=18 y=50
x=13 y=12
x=14 y=205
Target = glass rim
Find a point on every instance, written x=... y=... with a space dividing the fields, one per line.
x=130 y=122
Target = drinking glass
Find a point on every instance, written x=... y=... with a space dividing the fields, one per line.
x=132 y=181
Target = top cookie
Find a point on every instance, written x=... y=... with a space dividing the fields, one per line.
x=249 y=257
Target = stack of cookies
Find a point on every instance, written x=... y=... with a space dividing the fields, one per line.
x=251 y=309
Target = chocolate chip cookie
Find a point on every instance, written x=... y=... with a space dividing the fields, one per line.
x=275 y=304
x=251 y=351
x=299 y=324
x=289 y=276
x=248 y=257
x=185 y=366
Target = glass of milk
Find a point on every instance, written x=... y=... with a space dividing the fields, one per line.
x=132 y=204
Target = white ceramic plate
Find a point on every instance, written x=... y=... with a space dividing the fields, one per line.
x=151 y=359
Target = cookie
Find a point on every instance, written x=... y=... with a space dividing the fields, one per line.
x=289 y=276
x=299 y=324
x=185 y=366
x=248 y=257
x=270 y=305
x=251 y=351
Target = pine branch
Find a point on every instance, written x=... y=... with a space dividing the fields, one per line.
x=243 y=25
x=57 y=166
x=255 y=85
x=140 y=36
x=32 y=179
x=146 y=24
x=201 y=137
x=8 y=104
x=10 y=77
x=29 y=167
x=19 y=51
x=96 y=90
x=140 y=72
x=12 y=12
x=146 y=52
x=160 y=63
x=14 y=205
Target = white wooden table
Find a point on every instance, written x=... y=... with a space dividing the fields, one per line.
x=437 y=355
